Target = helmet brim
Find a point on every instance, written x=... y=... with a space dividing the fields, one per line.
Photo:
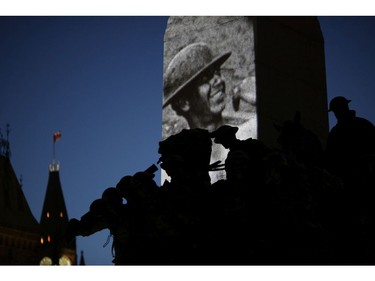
x=217 y=61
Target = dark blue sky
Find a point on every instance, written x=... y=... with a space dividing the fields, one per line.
x=99 y=81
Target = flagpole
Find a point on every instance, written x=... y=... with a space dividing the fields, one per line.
x=56 y=136
x=53 y=151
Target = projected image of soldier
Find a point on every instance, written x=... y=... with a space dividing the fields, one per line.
x=194 y=87
x=196 y=90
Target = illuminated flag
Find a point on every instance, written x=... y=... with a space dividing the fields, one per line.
x=57 y=136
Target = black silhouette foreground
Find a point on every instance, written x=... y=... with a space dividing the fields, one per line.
x=295 y=205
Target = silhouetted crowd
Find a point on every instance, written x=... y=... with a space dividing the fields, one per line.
x=293 y=205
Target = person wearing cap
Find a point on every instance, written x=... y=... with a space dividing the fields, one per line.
x=194 y=87
x=351 y=140
x=351 y=156
x=226 y=136
x=254 y=149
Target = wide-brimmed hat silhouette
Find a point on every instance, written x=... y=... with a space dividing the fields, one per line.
x=225 y=132
x=188 y=64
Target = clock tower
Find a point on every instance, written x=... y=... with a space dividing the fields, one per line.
x=54 y=248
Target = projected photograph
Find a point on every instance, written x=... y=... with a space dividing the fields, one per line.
x=209 y=78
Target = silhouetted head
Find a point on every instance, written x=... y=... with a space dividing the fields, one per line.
x=126 y=186
x=339 y=106
x=73 y=230
x=98 y=207
x=145 y=181
x=225 y=135
x=189 y=150
x=112 y=196
x=237 y=165
x=174 y=165
x=290 y=132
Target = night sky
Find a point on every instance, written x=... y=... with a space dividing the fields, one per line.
x=99 y=81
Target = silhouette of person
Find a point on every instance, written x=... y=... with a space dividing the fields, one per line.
x=350 y=141
x=300 y=142
x=226 y=136
x=132 y=225
x=185 y=158
x=350 y=153
x=253 y=148
x=141 y=216
x=106 y=212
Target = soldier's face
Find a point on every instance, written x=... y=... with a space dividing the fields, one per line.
x=211 y=92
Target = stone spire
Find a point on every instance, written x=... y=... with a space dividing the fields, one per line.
x=54 y=222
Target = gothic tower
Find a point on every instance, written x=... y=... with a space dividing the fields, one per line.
x=55 y=249
x=19 y=230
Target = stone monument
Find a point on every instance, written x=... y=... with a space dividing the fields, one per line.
x=248 y=72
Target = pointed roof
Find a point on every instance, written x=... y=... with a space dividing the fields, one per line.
x=82 y=259
x=14 y=209
x=54 y=221
x=54 y=215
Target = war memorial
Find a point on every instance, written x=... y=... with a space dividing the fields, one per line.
x=246 y=175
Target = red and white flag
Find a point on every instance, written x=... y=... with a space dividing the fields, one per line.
x=57 y=136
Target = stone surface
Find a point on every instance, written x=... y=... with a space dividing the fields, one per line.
x=277 y=66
